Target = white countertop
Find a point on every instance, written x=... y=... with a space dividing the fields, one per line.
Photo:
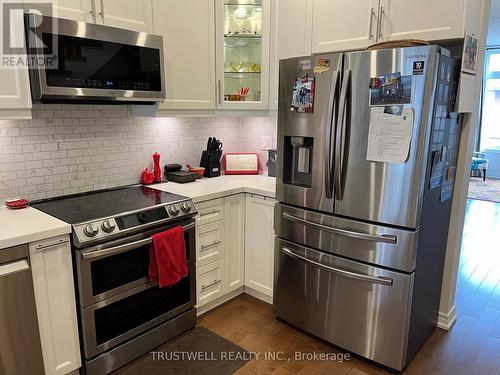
x=26 y=225
x=217 y=187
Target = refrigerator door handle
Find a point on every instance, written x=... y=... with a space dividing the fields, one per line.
x=340 y=135
x=328 y=134
x=352 y=275
x=386 y=238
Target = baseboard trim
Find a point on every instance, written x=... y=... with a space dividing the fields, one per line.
x=447 y=320
x=259 y=295
x=219 y=301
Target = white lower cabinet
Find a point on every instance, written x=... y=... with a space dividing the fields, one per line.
x=234 y=207
x=55 y=304
x=259 y=244
x=210 y=282
x=234 y=248
x=209 y=243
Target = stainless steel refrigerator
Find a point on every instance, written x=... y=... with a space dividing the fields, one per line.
x=361 y=234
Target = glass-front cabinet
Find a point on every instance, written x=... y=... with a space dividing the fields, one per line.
x=243 y=54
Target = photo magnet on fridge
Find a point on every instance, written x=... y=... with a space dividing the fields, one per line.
x=390 y=89
x=303 y=94
x=418 y=68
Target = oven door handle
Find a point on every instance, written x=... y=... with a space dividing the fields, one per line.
x=123 y=248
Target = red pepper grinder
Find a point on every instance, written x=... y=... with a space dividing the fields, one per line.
x=157 y=168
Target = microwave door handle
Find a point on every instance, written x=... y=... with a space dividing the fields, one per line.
x=328 y=134
x=352 y=275
x=386 y=238
x=340 y=135
x=123 y=248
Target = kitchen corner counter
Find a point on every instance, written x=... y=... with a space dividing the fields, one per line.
x=217 y=187
x=27 y=225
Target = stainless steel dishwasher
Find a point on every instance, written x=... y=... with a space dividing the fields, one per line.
x=20 y=348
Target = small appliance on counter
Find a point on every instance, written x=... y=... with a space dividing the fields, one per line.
x=147 y=177
x=271 y=162
x=210 y=158
x=174 y=173
x=241 y=163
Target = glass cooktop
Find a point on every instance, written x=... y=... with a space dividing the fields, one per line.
x=83 y=207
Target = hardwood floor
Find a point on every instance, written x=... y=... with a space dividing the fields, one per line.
x=471 y=347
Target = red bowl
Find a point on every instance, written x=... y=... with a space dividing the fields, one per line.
x=199 y=171
x=17 y=204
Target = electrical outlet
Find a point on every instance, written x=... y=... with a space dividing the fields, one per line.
x=266 y=142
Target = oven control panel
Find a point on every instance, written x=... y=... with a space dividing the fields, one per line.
x=103 y=229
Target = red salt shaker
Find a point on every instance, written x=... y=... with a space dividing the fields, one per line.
x=156 y=167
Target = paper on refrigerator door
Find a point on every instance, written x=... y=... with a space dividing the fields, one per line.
x=389 y=135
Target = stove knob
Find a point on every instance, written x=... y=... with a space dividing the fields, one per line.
x=90 y=231
x=173 y=209
x=186 y=206
x=108 y=226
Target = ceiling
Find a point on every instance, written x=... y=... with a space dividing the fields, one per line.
x=494 y=24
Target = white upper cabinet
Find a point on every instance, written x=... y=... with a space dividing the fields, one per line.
x=242 y=42
x=344 y=25
x=289 y=39
x=76 y=10
x=188 y=29
x=340 y=25
x=15 y=95
x=136 y=15
x=424 y=19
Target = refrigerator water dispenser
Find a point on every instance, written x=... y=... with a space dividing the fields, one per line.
x=297 y=162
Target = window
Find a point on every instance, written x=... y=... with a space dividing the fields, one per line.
x=490 y=127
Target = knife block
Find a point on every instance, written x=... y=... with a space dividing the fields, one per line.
x=210 y=160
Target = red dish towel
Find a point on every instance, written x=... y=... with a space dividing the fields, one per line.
x=167 y=257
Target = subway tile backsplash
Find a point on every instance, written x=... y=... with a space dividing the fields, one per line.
x=67 y=149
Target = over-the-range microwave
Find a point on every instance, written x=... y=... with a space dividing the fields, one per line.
x=74 y=61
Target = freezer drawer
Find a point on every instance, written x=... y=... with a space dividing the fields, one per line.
x=360 y=308
x=375 y=244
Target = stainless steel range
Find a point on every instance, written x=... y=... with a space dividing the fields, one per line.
x=122 y=314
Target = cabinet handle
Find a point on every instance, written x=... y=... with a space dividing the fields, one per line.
x=101 y=13
x=203 y=247
x=209 y=213
x=215 y=282
x=381 y=18
x=372 y=14
x=218 y=91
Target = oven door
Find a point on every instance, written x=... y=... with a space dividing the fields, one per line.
x=117 y=300
x=90 y=62
x=118 y=266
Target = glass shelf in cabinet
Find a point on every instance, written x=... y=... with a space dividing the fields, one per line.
x=250 y=3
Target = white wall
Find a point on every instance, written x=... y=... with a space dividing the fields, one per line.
x=447 y=312
x=68 y=149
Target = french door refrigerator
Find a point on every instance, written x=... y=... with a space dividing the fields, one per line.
x=367 y=151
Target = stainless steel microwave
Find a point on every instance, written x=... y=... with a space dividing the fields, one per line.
x=74 y=61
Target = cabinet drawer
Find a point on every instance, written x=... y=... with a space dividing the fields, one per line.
x=210 y=211
x=210 y=282
x=209 y=243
